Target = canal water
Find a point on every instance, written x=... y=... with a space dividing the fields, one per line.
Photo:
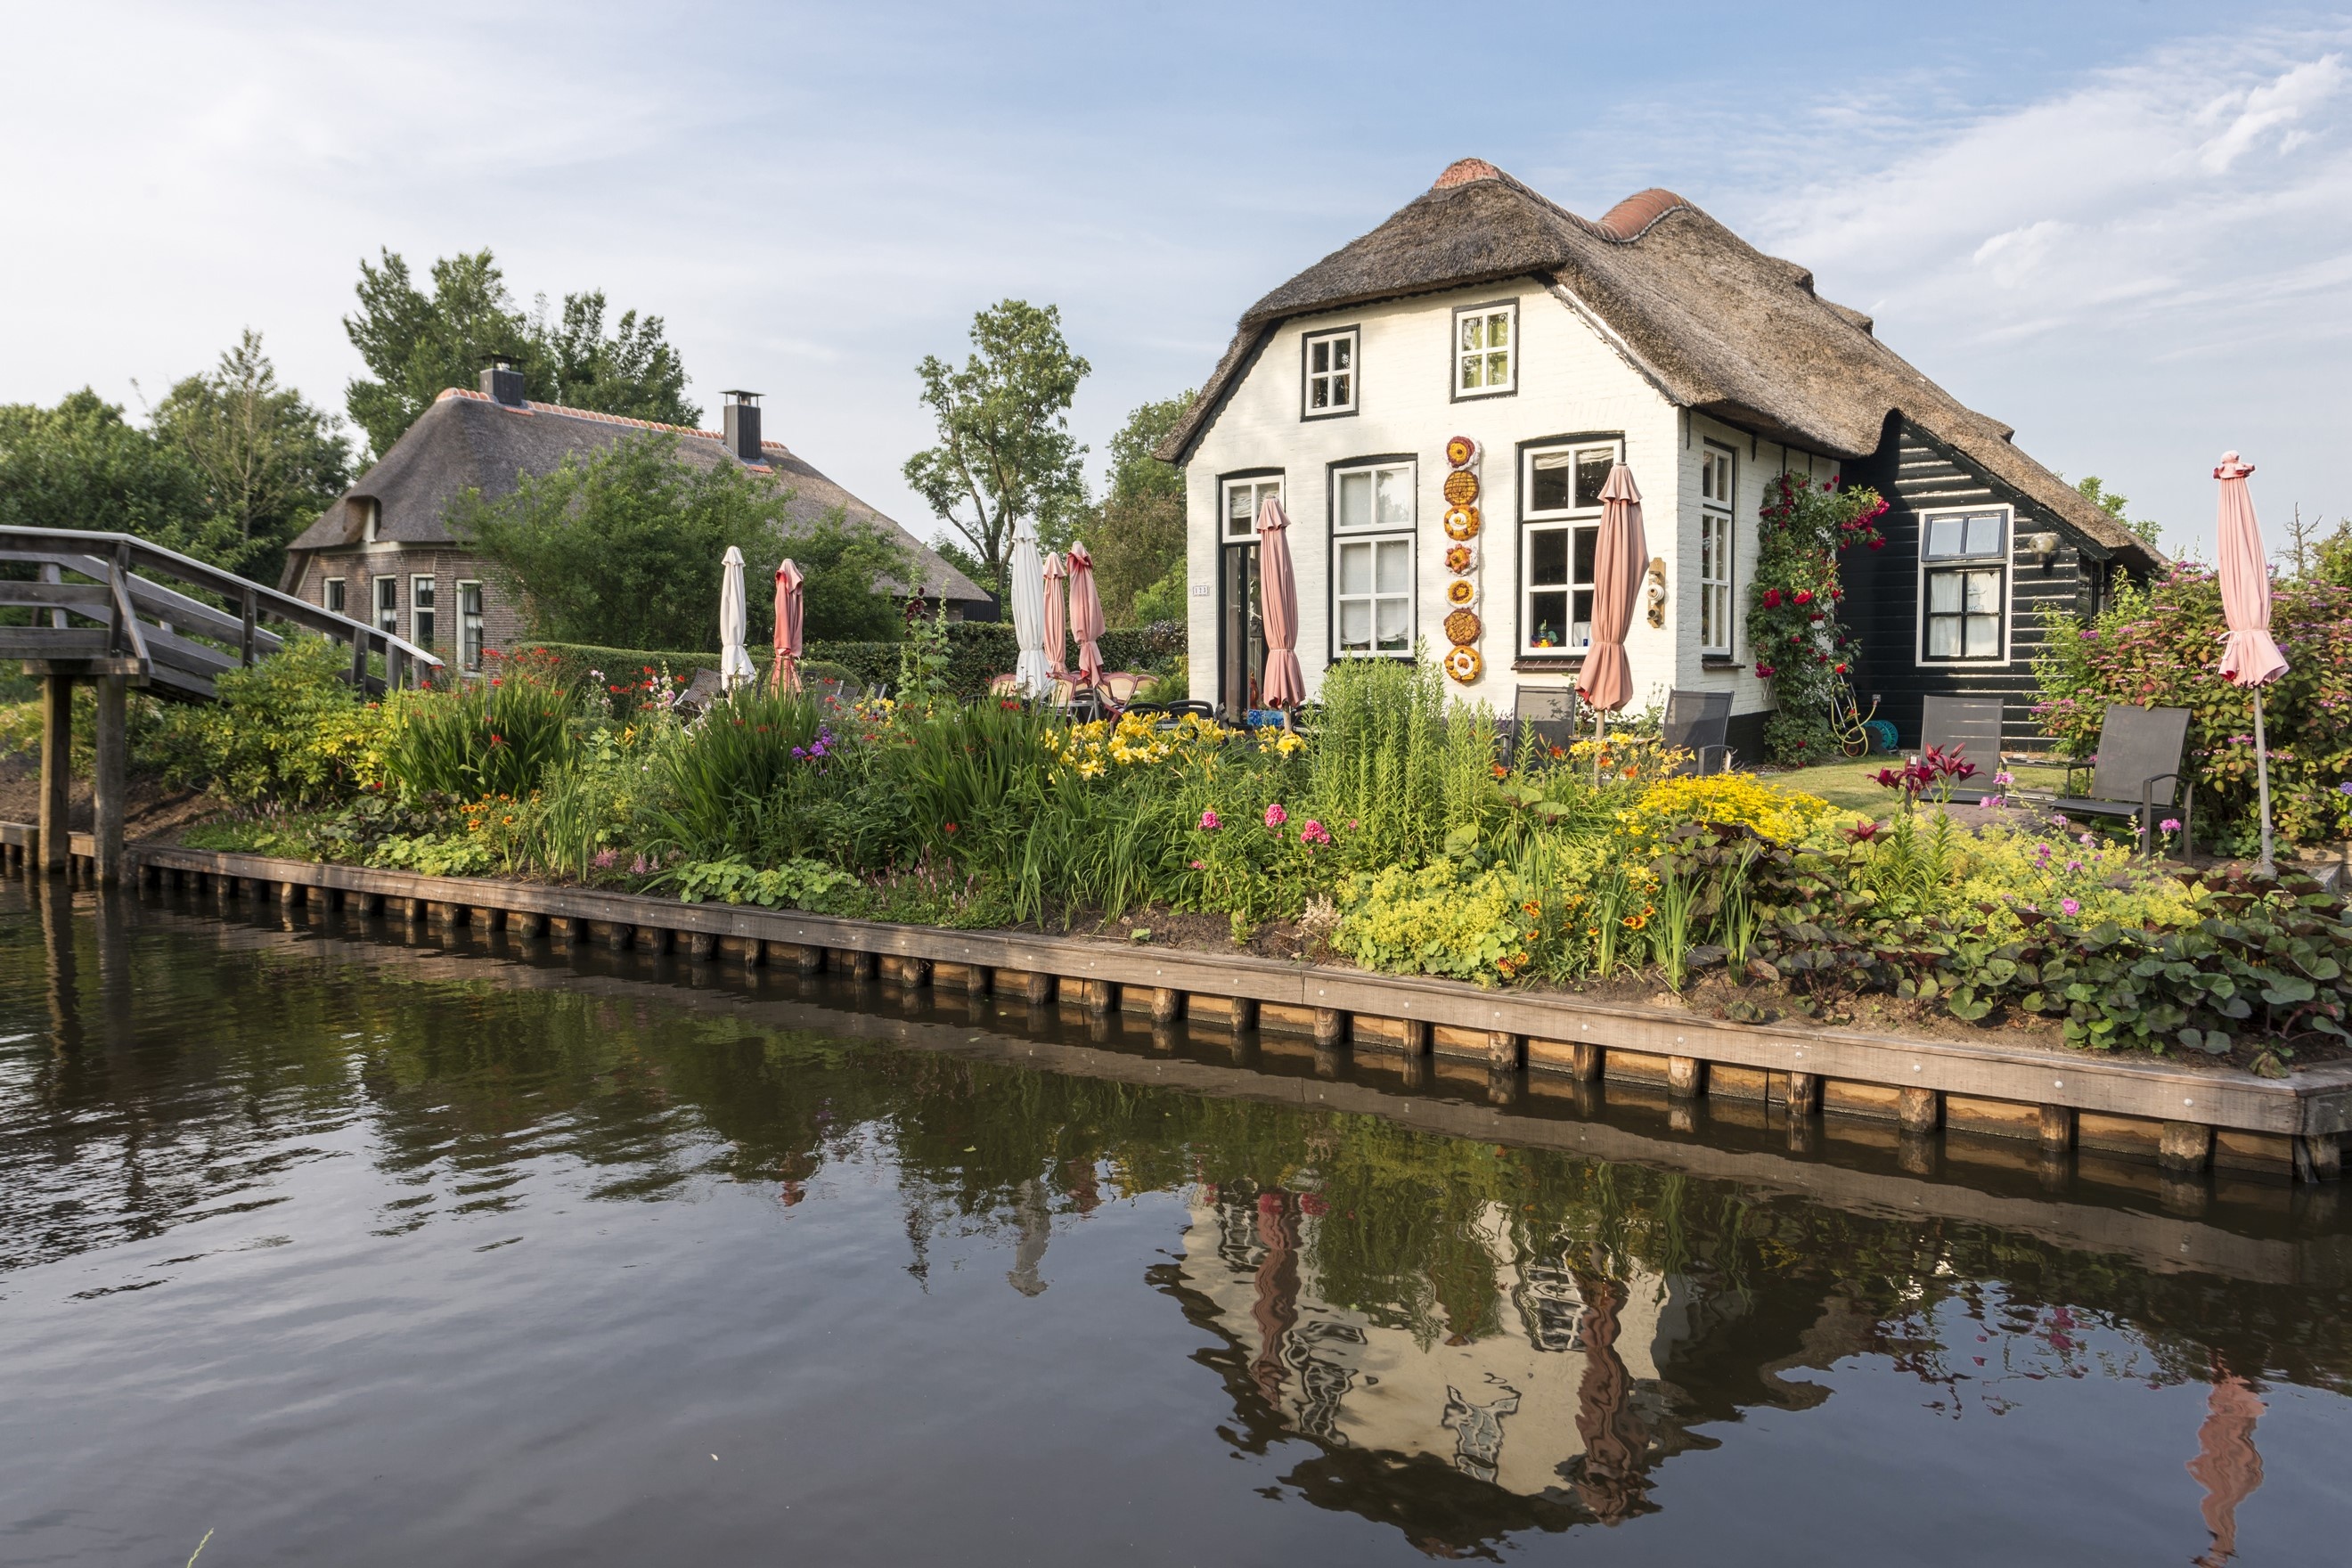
x=322 y=1242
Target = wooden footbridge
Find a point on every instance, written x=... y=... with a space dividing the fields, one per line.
x=110 y=622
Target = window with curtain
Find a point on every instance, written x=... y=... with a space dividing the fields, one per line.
x=1559 y=529
x=1964 y=586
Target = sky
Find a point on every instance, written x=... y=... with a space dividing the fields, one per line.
x=2122 y=226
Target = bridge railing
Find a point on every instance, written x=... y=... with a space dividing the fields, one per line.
x=135 y=627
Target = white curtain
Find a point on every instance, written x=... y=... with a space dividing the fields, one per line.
x=1029 y=611
x=735 y=665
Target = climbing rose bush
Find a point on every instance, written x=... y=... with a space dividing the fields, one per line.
x=1792 y=610
x=2157 y=647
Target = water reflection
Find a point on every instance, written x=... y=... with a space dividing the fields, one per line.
x=1470 y=1345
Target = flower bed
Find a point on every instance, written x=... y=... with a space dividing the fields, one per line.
x=1393 y=831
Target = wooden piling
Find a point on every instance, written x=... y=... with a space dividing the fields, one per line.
x=113 y=760
x=2057 y=1127
x=1920 y=1109
x=1685 y=1077
x=1166 y=1004
x=1804 y=1095
x=1506 y=1052
x=703 y=946
x=2185 y=1146
x=56 y=770
x=1330 y=1026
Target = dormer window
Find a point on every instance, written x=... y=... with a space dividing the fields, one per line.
x=1331 y=385
x=1485 y=349
x=366 y=515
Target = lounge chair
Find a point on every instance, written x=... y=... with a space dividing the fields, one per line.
x=1698 y=722
x=1549 y=712
x=1969 y=726
x=2136 y=772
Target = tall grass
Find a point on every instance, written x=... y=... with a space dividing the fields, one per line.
x=742 y=777
x=475 y=738
x=1392 y=757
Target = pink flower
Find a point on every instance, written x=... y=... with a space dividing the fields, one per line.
x=1211 y=822
x=1314 y=833
x=2068 y=906
x=1275 y=815
x=1200 y=865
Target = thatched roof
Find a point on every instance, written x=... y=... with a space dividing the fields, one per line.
x=466 y=441
x=1715 y=324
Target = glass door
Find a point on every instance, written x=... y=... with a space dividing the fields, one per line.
x=1241 y=629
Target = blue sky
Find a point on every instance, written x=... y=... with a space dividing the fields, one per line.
x=2124 y=226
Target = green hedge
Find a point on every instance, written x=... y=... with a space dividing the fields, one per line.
x=976 y=650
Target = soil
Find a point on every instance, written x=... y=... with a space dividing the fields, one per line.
x=151 y=809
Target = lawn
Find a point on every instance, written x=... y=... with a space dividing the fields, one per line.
x=1854 y=783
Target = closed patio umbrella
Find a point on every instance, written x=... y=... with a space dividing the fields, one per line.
x=1057 y=614
x=1086 y=615
x=2250 y=658
x=787 y=676
x=1027 y=589
x=1283 y=684
x=734 y=624
x=1620 y=557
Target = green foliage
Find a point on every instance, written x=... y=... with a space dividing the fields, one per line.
x=1162 y=604
x=495 y=735
x=2146 y=529
x=795 y=884
x=1005 y=451
x=841 y=564
x=416 y=345
x=286 y=732
x=1792 y=605
x=2157 y=647
x=1443 y=919
x=743 y=778
x=82 y=465
x=623 y=547
x=1137 y=534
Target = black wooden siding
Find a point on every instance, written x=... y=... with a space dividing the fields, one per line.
x=1917 y=474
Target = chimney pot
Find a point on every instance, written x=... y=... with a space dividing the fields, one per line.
x=743 y=425
x=502 y=383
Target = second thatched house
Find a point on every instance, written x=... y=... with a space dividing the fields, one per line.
x=1554 y=346
x=384 y=553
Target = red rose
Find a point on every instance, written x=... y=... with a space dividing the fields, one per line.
x=1804 y=595
x=1772 y=598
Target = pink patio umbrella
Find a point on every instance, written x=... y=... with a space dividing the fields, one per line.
x=1086 y=615
x=1283 y=684
x=1620 y=556
x=786 y=676
x=2249 y=658
x=1057 y=614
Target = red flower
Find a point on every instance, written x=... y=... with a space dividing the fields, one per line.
x=1805 y=597
x=948 y=826
x=1772 y=598
x=1764 y=670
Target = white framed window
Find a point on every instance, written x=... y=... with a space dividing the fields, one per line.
x=421 y=616
x=1964 y=586
x=1330 y=384
x=387 y=605
x=1373 y=513
x=1243 y=499
x=469 y=626
x=1560 y=527
x=333 y=598
x=1714 y=549
x=1485 y=349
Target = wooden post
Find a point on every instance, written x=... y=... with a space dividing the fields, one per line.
x=861 y=964
x=1505 y=1050
x=1920 y=1109
x=755 y=954
x=1685 y=1077
x=57 y=769
x=2319 y=1157
x=1244 y=1013
x=2185 y=1146
x=2057 y=1129
x=1166 y=1004
x=1102 y=996
x=1804 y=1095
x=811 y=959
x=916 y=972
x=1413 y=1036
x=1038 y=989
x=359 y=663
x=703 y=946
x=1330 y=1026
x=245 y=643
x=532 y=923
x=1585 y=1060
x=113 y=764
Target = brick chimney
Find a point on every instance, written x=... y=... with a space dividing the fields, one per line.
x=502 y=383
x=743 y=424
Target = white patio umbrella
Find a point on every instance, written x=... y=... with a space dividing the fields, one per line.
x=735 y=667
x=1030 y=673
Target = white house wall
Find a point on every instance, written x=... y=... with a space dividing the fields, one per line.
x=1571 y=381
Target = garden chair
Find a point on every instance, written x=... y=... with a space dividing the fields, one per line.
x=1969 y=726
x=1698 y=722
x=1119 y=686
x=2135 y=771
x=1549 y=712
x=707 y=688
x=1005 y=685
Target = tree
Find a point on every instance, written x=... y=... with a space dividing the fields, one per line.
x=82 y=465
x=841 y=564
x=1137 y=534
x=271 y=462
x=622 y=549
x=1005 y=451
x=2147 y=529
x=419 y=345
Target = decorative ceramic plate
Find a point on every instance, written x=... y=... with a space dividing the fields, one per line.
x=1462 y=451
x=1462 y=522
x=1461 y=487
x=1462 y=664
x=1462 y=593
x=1461 y=559
x=1463 y=626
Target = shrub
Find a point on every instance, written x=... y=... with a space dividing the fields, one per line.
x=1443 y=919
x=286 y=731
x=495 y=735
x=744 y=776
x=1792 y=605
x=2159 y=648
x=1728 y=799
x=796 y=884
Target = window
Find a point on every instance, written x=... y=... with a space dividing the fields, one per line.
x=387 y=605
x=1372 y=515
x=334 y=594
x=1243 y=499
x=469 y=625
x=1559 y=489
x=1964 y=586
x=1715 y=548
x=1330 y=374
x=1485 y=360
x=420 y=612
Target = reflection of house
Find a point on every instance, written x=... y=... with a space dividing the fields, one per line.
x=383 y=553
x=1562 y=1403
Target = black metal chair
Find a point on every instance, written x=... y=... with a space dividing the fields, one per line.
x=1699 y=722
x=1547 y=713
x=1969 y=726
x=2139 y=750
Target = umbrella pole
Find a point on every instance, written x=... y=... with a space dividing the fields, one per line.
x=2266 y=866
x=1600 y=738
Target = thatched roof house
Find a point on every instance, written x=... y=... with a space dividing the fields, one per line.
x=1655 y=330
x=383 y=550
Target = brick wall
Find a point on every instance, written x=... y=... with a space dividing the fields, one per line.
x=359 y=567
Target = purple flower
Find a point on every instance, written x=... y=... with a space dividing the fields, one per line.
x=2169 y=825
x=1211 y=822
x=2068 y=906
x=2073 y=865
x=2345 y=786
